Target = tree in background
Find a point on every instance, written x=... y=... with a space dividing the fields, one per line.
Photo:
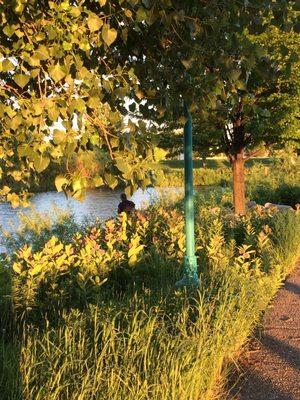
x=213 y=61
x=283 y=100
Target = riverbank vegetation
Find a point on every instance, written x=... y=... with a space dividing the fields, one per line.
x=90 y=311
x=275 y=180
x=270 y=179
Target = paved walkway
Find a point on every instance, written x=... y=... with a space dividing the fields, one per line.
x=271 y=366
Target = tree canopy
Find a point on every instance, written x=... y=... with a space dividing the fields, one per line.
x=61 y=81
x=219 y=63
x=69 y=68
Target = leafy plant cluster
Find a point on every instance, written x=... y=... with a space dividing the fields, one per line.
x=62 y=85
x=66 y=265
x=202 y=177
x=133 y=338
x=58 y=267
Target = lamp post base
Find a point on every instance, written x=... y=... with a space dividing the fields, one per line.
x=190 y=277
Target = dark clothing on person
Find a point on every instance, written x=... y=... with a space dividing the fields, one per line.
x=126 y=206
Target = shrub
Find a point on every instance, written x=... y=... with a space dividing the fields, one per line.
x=135 y=337
x=287 y=194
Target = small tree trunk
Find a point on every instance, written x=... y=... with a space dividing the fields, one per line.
x=238 y=168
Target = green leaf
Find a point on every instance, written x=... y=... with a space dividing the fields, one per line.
x=94 y=102
x=34 y=72
x=141 y=14
x=122 y=165
x=135 y=250
x=94 y=22
x=42 y=53
x=234 y=74
x=241 y=85
x=98 y=181
x=37 y=108
x=53 y=113
x=35 y=270
x=41 y=162
x=21 y=80
x=57 y=73
x=16 y=122
x=77 y=184
x=80 y=105
x=9 y=30
x=60 y=181
x=109 y=34
x=7 y=65
x=75 y=12
x=58 y=136
x=159 y=154
x=14 y=199
x=17 y=268
x=111 y=180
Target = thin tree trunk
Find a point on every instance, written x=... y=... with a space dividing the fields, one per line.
x=238 y=169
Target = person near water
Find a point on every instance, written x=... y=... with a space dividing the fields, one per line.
x=125 y=205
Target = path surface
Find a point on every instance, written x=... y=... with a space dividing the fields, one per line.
x=271 y=367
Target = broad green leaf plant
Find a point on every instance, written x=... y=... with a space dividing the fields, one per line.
x=62 y=87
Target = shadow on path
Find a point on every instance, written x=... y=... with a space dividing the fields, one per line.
x=291 y=287
x=254 y=387
x=289 y=353
x=271 y=365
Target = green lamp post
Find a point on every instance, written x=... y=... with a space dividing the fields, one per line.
x=190 y=277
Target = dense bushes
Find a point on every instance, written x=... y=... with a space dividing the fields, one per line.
x=278 y=183
x=64 y=264
x=98 y=316
x=275 y=182
x=202 y=177
x=68 y=270
x=288 y=194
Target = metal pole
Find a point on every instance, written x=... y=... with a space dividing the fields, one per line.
x=190 y=261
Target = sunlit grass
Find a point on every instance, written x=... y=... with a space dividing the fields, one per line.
x=144 y=340
x=147 y=346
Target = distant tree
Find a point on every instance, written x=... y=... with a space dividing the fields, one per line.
x=282 y=100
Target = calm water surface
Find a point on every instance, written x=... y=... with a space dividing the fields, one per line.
x=102 y=203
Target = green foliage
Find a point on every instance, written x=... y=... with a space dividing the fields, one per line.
x=225 y=73
x=278 y=183
x=129 y=344
x=202 y=177
x=59 y=63
x=59 y=266
x=36 y=229
x=288 y=194
x=283 y=102
x=284 y=232
x=77 y=62
x=64 y=264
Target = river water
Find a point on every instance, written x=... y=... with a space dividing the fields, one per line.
x=102 y=203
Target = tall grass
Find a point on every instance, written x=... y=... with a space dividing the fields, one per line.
x=144 y=340
x=173 y=346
